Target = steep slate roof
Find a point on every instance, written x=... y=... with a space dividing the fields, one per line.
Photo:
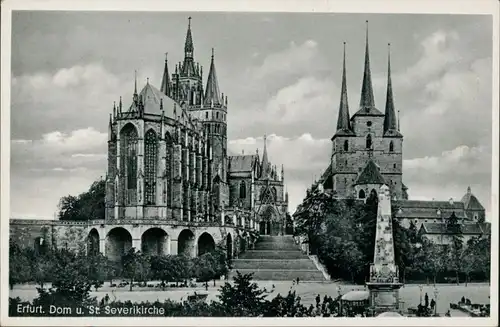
x=152 y=98
x=415 y=209
x=471 y=202
x=367 y=100
x=370 y=175
x=344 y=119
x=390 y=120
x=326 y=174
x=242 y=163
x=212 y=92
x=439 y=228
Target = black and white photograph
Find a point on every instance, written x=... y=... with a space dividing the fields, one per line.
x=235 y=163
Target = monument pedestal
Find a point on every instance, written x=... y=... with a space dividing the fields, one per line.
x=384 y=297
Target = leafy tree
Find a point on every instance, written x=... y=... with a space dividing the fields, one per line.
x=86 y=206
x=244 y=298
x=18 y=262
x=136 y=266
x=455 y=255
x=71 y=281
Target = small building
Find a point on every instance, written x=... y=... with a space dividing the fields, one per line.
x=440 y=233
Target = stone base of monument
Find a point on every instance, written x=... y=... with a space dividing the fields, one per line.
x=384 y=298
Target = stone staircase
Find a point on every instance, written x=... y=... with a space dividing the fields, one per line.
x=276 y=258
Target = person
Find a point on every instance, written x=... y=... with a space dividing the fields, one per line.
x=426 y=298
x=318 y=299
x=433 y=303
x=298 y=280
x=462 y=300
x=106 y=298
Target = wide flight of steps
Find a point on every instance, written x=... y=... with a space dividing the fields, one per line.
x=276 y=258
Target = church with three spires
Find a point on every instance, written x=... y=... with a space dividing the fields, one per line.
x=168 y=157
x=367 y=152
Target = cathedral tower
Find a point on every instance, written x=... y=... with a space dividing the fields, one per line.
x=369 y=137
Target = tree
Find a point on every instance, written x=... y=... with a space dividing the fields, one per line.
x=244 y=298
x=136 y=266
x=455 y=255
x=86 y=206
x=18 y=262
x=71 y=281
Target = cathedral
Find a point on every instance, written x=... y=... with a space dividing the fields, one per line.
x=168 y=156
x=367 y=152
x=171 y=185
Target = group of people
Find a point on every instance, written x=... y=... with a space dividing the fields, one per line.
x=426 y=309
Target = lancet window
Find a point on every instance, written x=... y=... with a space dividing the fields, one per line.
x=129 y=139
x=150 y=166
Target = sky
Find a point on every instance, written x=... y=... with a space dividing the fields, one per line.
x=281 y=73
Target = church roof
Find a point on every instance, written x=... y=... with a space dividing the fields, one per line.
x=471 y=202
x=326 y=174
x=370 y=175
x=153 y=97
x=440 y=228
x=416 y=209
x=212 y=91
x=242 y=163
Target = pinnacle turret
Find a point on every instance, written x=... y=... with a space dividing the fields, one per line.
x=166 y=84
x=265 y=161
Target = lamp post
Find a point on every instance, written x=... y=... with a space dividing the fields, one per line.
x=436 y=293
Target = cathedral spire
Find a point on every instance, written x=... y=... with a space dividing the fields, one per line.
x=343 y=120
x=188 y=45
x=367 y=100
x=212 y=93
x=390 y=119
x=265 y=160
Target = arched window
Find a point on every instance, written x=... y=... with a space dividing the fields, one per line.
x=168 y=167
x=274 y=193
x=368 y=141
x=150 y=166
x=361 y=194
x=346 y=145
x=391 y=147
x=243 y=190
x=129 y=163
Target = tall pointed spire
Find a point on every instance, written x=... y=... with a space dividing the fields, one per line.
x=343 y=120
x=367 y=100
x=188 y=45
x=390 y=119
x=265 y=160
x=212 y=93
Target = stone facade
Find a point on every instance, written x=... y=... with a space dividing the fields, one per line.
x=170 y=187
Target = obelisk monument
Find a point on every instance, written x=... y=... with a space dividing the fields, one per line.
x=384 y=282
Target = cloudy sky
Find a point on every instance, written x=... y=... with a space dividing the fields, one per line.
x=281 y=73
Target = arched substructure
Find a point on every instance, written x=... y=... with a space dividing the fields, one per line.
x=93 y=242
x=229 y=246
x=118 y=242
x=186 y=243
x=155 y=241
x=206 y=244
